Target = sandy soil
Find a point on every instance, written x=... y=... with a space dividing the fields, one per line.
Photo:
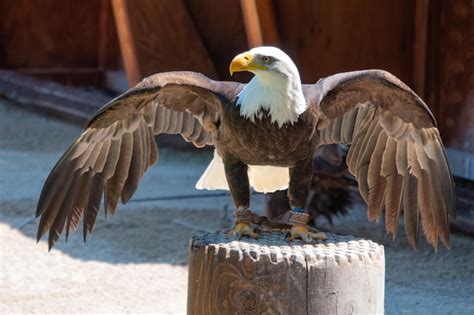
x=135 y=261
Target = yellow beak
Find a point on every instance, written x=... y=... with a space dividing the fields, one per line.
x=245 y=62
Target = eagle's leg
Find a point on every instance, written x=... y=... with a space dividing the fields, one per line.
x=239 y=186
x=301 y=176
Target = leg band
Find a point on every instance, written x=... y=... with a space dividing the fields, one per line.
x=298 y=210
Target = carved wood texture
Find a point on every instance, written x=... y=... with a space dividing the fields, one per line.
x=270 y=276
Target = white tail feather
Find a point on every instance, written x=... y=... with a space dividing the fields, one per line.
x=262 y=178
x=214 y=176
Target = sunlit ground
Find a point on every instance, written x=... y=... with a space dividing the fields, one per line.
x=136 y=260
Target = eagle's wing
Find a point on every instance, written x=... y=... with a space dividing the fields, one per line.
x=396 y=153
x=118 y=145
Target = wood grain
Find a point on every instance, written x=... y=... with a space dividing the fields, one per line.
x=48 y=34
x=108 y=54
x=221 y=28
x=252 y=23
x=456 y=81
x=68 y=76
x=127 y=42
x=260 y=24
x=271 y=276
x=419 y=46
x=326 y=37
x=165 y=39
x=268 y=23
x=68 y=103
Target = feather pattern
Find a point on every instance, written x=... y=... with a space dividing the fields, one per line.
x=396 y=153
x=110 y=157
x=376 y=181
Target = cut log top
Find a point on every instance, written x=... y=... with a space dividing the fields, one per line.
x=340 y=249
x=341 y=275
x=271 y=275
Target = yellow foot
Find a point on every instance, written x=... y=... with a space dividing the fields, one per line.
x=307 y=235
x=241 y=229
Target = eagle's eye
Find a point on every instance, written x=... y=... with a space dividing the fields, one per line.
x=266 y=59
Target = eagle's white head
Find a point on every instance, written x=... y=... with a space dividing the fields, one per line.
x=276 y=86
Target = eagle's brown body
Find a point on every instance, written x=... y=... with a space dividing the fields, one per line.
x=263 y=142
x=395 y=152
x=241 y=142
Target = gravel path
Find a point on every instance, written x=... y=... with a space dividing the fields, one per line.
x=135 y=261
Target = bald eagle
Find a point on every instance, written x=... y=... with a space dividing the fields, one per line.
x=265 y=134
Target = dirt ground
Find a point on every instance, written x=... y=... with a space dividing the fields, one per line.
x=136 y=261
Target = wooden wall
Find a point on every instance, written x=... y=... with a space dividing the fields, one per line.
x=54 y=39
x=427 y=43
x=335 y=36
x=203 y=35
x=450 y=78
x=221 y=29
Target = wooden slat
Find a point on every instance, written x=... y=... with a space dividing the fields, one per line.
x=252 y=23
x=69 y=76
x=449 y=77
x=221 y=27
x=159 y=36
x=456 y=64
x=127 y=42
x=48 y=34
x=260 y=24
x=325 y=37
x=71 y=104
x=268 y=23
x=419 y=46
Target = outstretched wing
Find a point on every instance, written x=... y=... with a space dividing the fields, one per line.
x=396 y=152
x=109 y=158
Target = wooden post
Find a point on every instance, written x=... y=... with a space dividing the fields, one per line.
x=127 y=42
x=252 y=23
x=271 y=276
x=260 y=23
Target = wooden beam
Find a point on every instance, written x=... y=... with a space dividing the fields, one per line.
x=419 y=46
x=252 y=23
x=268 y=24
x=260 y=22
x=69 y=76
x=69 y=103
x=49 y=34
x=158 y=36
x=127 y=42
x=216 y=28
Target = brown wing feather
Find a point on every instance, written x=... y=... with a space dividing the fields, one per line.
x=111 y=156
x=375 y=180
x=396 y=152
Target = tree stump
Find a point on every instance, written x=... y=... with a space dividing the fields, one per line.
x=342 y=275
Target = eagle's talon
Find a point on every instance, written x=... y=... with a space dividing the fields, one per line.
x=243 y=229
x=305 y=234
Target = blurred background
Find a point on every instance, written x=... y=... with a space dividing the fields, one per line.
x=104 y=43
x=61 y=60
